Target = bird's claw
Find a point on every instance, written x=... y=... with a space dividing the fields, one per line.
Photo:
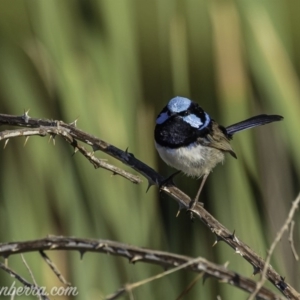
x=192 y=206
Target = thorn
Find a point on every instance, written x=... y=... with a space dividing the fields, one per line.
x=233 y=237
x=256 y=270
x=26 y=139
x=75 y=151
x=215 y=243
x=218 y=239
x=74 y=123
x=179 y=209
x=26 y=116
x=81 y=253
x=52 y=137
x=150 y=183
x=128 y=153
x=5 y=143
x=126 y=156
x=168 y=180
x=226 y=264
x=135 y=259
x=99 y=246
x=205 y=276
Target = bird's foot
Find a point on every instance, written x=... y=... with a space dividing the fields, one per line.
x=192 y=206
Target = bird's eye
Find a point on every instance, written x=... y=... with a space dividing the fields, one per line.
x=186 y=113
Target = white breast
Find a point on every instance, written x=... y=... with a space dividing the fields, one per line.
x=193 y=160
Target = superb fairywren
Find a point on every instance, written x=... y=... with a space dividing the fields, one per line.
x=187 y=139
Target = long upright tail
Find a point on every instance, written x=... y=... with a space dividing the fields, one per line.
x=252 y=122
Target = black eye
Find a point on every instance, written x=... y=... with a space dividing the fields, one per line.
x=184 y=113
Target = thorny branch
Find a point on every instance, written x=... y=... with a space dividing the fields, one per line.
x=53 y=131
x=134 y=255
x=72 y=135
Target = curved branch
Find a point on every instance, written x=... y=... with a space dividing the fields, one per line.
x=137 y=254
x=53 y=131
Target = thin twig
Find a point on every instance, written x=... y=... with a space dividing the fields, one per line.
x=54 y=268
x=190 y=286
x=291 y=240
x=129 y=287
x=31 y=274
x=26 y=283
x=278 y=237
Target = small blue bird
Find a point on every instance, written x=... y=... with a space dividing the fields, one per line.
x=187 y=139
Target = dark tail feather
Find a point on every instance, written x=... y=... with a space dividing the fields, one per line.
x=252 y=122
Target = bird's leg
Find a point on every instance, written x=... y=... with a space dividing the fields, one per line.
x=194 y=202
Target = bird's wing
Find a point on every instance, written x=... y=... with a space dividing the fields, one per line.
x=218 y=139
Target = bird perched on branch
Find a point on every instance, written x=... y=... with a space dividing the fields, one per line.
x=187 y=139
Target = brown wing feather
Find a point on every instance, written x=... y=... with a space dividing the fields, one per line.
x=217 y=139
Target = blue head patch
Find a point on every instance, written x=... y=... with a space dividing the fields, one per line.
x=179 y=104
x=194 y=121
x=175 y=105
x=163 y=116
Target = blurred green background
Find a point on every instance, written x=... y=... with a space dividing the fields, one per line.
x=114 y=64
